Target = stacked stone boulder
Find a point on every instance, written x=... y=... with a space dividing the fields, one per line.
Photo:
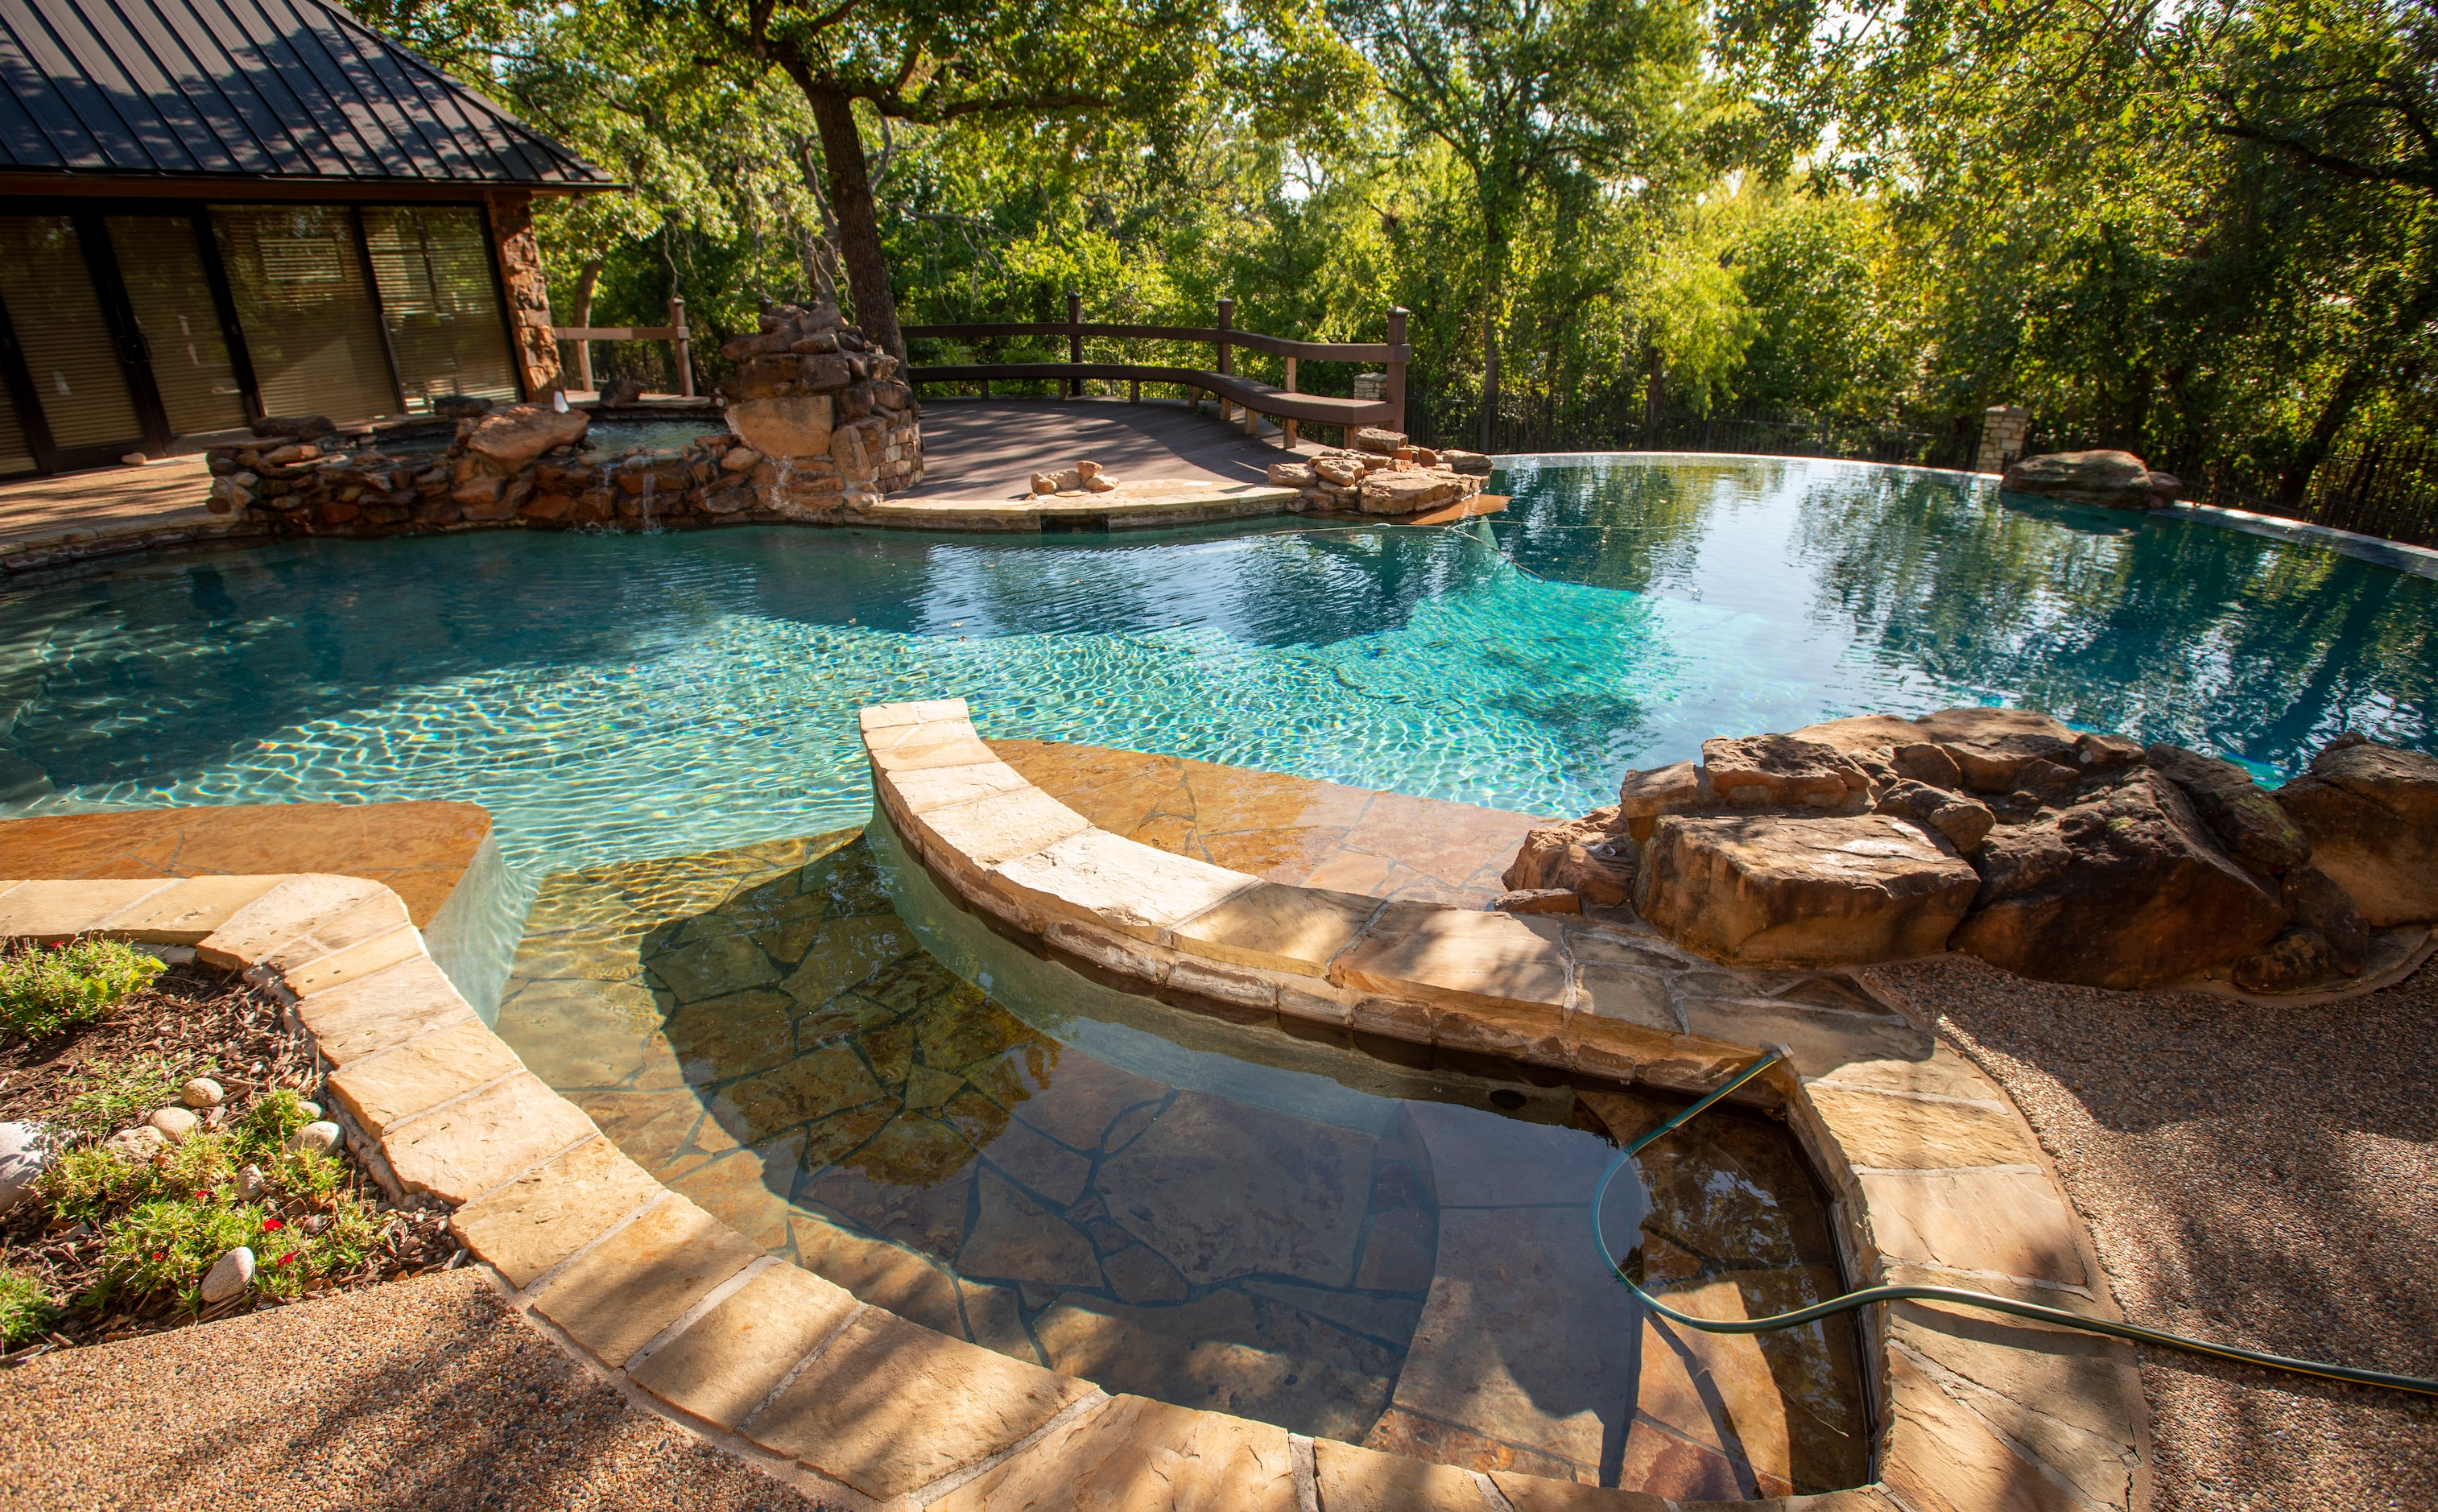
x=1382 y=473
x=829 y=426
x=2059 y=854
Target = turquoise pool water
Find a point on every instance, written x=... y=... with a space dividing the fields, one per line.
x=614 y=696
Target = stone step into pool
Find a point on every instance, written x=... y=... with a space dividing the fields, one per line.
x=1372 y=1242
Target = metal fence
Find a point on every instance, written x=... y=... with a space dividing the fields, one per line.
x=2382 y=488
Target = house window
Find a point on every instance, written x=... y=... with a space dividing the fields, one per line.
x=442 y=305
x=74 y=366
x=307 y=311
x=173 y=302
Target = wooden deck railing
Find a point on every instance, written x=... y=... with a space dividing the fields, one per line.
x=676 y=333
x=1220 y=381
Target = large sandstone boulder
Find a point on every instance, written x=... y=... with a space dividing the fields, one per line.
x=1992 y=746
x=1779 y=771
x=2127 y=890
x=2238 y=810
x=1642 y=797
x=797 y=425
x=1775 y=889
x=2112 y=480
x=1964 y=821
x=2370 y=815
x=1591 y=858
x=521 y=432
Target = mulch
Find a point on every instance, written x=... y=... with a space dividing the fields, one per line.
x=193 y=1021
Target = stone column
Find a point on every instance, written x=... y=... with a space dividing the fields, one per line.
x=2002 y=430
x=519 y=259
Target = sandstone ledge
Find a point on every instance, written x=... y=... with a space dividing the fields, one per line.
x=1927 y=1159
x=1935 y=1176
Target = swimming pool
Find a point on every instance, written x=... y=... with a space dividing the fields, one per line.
x=613 y=697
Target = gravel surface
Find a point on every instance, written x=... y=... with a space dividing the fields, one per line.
x=2262 y=1176
x=429 y=1394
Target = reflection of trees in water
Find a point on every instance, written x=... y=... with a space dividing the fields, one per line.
x=2183 y=632
x=1632 y=528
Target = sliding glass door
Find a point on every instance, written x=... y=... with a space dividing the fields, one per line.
x=73 y=355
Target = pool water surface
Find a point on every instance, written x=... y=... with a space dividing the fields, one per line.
x=812 y=1041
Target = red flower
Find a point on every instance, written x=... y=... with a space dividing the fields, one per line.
x=270 y=1223
x=289 y=1255
x=159 y=1256
x=59 y=944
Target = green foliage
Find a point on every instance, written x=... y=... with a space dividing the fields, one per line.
x=116 y=1094
x=26 y=1309
x=45 y=989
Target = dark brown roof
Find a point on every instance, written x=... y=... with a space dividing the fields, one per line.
x=289 y=90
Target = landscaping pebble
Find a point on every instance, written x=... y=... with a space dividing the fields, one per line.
x=229 y=1276
x=24 y=1150
x=250 y=1183
x=202 y=1092
x=176 y=1124
x=322 y=1135
x=137 y=1143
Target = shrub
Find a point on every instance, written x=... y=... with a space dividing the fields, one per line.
x=82 y=1184
x=166 y=1244
x=45 y=989
x=120 y=1093
x=25 y=1308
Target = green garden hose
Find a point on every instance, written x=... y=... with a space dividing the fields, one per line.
x=1956 y=1297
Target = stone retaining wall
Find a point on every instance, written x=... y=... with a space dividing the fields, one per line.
x=1935 y=1175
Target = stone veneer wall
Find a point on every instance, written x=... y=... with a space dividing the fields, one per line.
x=518 y=255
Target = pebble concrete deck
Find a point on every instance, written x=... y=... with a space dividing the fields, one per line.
x=1934 y=1174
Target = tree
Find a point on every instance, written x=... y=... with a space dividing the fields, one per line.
x=1009 y=62
x=1525 y=94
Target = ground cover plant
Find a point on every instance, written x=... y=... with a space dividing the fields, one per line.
x=117 y=1234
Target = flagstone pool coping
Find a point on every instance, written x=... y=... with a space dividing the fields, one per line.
x=1934 y=1176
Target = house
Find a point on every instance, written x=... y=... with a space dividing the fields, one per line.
x=213 y=210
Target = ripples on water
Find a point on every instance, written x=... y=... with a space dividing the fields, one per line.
x=617 y=696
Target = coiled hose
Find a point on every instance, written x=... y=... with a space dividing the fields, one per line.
x=1854 y=1301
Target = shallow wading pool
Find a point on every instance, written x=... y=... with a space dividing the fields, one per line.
x=1376 y=1242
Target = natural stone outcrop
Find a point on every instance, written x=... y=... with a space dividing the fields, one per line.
x=1381 y=475
x=2370 y=815
x=1992 y=746
x=1592 y=857
x=512 y=437
x=1642 y=797
x=1965 y=820
x=2240 y=812
x=823 y=398
x=2317 y=903
x=2112 y=480
x=797 y=425
x=1791 y=890
x=1779 y=771
x=2125 y=891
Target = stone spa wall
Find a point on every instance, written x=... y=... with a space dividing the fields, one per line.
x=815 y=427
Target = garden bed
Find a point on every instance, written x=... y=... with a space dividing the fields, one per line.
x=116 y=1234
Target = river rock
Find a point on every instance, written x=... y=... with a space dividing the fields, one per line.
x=251 y=1184
x=24 y=1153
x=176 y=1124
x=1780 y=771
x=2317 y=904
x=521 y=432
x=1991 y=747
x=2295 y=961
x=202 y=1092
x=1775 y=890
x=1591 y=858
x=2124 y=891
x=229 y=1276
x=796 y=424
x=2240 y=812
x=139 y=1143
x=1964 y=821
x=2370 y=813
x=321 y=1135
x=2112 y=480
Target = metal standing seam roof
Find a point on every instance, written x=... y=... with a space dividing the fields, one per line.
x=292 y=90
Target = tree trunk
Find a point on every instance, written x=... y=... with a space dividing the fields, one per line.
x=2361 y=375
x=1654 y=388
x=859 y=227
x=1489 y=318
x=585 y=281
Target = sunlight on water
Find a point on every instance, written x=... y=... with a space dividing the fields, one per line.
x=618 y=696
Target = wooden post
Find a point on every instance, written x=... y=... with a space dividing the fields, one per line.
x=1396 y=385
x=684 y=341
x=1227 y=354
x=1134 y=391
x=1288 y=427
x=1075 y=341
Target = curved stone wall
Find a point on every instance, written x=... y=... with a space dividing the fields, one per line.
x=1934 y=1174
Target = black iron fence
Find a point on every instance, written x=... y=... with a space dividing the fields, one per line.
x=2383 y=488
